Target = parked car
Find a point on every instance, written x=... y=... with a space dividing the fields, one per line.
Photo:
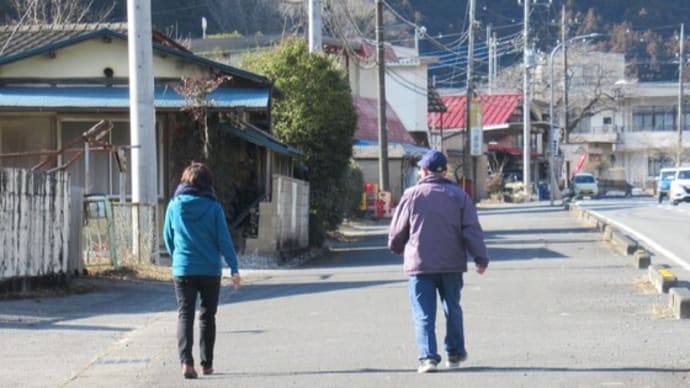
x=584 y=184
x=607 y=186
x=663 y=185
x=679 y=190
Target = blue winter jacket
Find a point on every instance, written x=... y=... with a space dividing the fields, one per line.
x=435 y=226
x=196 y=234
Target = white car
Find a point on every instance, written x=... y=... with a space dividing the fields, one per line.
x=584 y=184
x=680 y=186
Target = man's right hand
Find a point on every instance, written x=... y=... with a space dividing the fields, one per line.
x=481 y=269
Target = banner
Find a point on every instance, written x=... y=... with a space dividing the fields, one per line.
x=476 y=133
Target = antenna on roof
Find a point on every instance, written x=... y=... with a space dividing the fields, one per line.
x=204 y=25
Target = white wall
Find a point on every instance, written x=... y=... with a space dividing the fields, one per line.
x=406 y=87
x=73 y=62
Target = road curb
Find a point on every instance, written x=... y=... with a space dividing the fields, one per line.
x=662 y=278
x=679 y=301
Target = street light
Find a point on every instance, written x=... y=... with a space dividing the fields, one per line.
x=553 y=140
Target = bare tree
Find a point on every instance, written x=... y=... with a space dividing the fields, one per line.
x=196 y=90
x=60 y=11
x=591 y=82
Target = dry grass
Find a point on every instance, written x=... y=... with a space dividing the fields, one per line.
x=139 y=272
x=645 y=286
x=662 y=312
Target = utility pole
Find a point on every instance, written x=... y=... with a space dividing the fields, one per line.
x=681 y=104
x=383 y=135
x=467 y=162
x=564 y=33
x=490 y=47
x=314 y=26
x=142 y=111
x=526 y=132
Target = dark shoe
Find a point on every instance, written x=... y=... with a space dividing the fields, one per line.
x=188 y=372
x=427 y=365
x=207 y=371
x=455 y=360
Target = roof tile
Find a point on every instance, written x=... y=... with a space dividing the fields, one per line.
x=496 y=110
x=367 y=124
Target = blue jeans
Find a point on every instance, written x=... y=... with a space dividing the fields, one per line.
x=422 y=289
x=186 y=290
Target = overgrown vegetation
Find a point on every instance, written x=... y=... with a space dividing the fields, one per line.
x=317 y=116
x=352 y=190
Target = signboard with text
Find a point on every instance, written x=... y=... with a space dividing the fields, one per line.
x=476 y=133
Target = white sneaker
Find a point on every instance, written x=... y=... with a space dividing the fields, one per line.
x=454 y=361
x=427 y=365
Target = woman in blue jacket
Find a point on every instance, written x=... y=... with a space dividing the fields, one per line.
x=196 y=235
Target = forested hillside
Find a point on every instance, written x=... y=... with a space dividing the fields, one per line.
x=645 y=30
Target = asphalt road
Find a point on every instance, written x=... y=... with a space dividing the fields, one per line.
x=556 y=308
x=662 y=228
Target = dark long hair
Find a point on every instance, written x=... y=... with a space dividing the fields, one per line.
x=198 y=175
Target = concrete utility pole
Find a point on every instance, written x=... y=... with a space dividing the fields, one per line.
x=383 y=135
x=490 y=49
x=564 y=33
x=681 y=104
x=141 y=108
x=526 y=131
x=314 y=26
x=142 y=114
x=467 y=162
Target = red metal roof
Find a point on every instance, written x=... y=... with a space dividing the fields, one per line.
x=496 y=110
x=367 y=124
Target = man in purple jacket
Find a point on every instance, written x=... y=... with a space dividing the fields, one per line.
x=435 y=227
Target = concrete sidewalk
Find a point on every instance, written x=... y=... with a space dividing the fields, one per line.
x=557 y=308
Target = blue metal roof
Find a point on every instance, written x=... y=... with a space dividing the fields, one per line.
x=410 y=149
x=118 y=97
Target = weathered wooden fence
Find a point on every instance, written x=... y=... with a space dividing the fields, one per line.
x=34 y=224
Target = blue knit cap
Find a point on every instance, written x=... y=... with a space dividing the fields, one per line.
x=433 y=161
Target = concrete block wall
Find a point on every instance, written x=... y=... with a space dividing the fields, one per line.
x=284 y=221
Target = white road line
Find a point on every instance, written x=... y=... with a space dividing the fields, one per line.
x=649 y=243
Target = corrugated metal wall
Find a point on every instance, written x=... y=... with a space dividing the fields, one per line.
x=34 y=223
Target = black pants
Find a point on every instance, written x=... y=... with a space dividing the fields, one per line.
x=186 y=289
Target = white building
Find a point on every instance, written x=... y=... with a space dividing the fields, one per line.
x=642 y=132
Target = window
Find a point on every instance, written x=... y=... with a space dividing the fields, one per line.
x=654 y=118
x=607 y=121
x=104 y=175
x=656 y=163
x=26 y=134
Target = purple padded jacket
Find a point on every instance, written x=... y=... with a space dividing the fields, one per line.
x=435 y=226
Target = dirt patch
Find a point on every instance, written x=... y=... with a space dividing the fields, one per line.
x=644 y=285
x=75 y=286
x=662 y=312
x=140 y=272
